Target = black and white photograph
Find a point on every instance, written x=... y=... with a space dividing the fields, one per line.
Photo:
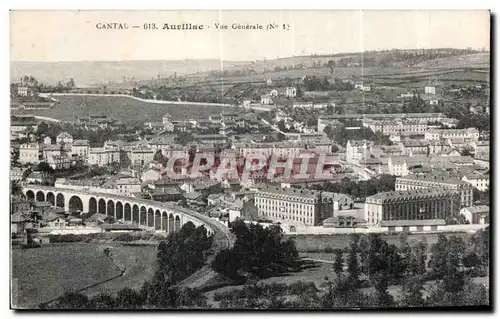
x=250 y=160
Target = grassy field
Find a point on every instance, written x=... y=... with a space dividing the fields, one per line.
x=43 y=274
x=121 y=108
x=139 y=263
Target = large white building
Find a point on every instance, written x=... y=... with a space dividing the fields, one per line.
x=430 y=90
x=437 y=134
x=438 y=182
x=396 y=127
x=100 y=156
x=480 y=181
x=29 y=153
x=289 y=204
x=358 y=150
x=80 y=148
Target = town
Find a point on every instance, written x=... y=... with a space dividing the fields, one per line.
x=322 y=158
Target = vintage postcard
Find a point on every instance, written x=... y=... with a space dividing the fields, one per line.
x=250 y=159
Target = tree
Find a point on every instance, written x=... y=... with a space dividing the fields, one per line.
x=338 y=266
x=352 y=262
x=331 y=65
x=411 y=294
x=184 y=138
x=226 y=264
x=382 y=297
x=260 y=251
x=437 y=263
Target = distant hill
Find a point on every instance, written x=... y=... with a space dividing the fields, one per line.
x=479 y=60
x=90 y=73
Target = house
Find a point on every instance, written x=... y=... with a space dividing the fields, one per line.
x=128 y=185
x=290 y=92
x=357 y=150
x=18 y=223
x=168 y=125
x=54 y=220
x=19 y=174
x=166 y=194
x=477 y=214
x=481 y=146
x=430 y=90
x=64 y=138
x=266 y=99
x=80 y=148
x=193 y=198
x=73 y=221
x=30 y=153
x=59 y=162
x=214 y=199
x=99 y=219
x=35 y=178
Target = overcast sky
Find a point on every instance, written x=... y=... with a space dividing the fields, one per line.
x=73 y=36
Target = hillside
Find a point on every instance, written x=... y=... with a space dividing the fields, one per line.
x=479 y=60
x=88 y=73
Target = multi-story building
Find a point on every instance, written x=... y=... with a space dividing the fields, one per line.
x=80 y=148
x=103 y=156
x=289 y=204
x=396 y=127
x=481 y=147
x=480 y=181
x=18 y=173
x=49 y=151
x=414 y=147
x=140 y=156
x=290 y=92
x=437 y=147
x=128 y=186
x=412 y=182
x=64 y=138
x=266 y=99
x=161 y=142
x=401 y=165
x=283 y=149
x=358 y=150
x=437 y=134
x=408 y=207
x=30 y=153
x=58 y=162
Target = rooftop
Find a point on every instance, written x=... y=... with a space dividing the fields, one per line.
x=433 y=178
x=410 y=194
x=478 y=209
x=417 y=222
x=299 y=192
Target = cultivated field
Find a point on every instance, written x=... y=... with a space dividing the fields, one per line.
x=121 y=108
x=43 y=274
